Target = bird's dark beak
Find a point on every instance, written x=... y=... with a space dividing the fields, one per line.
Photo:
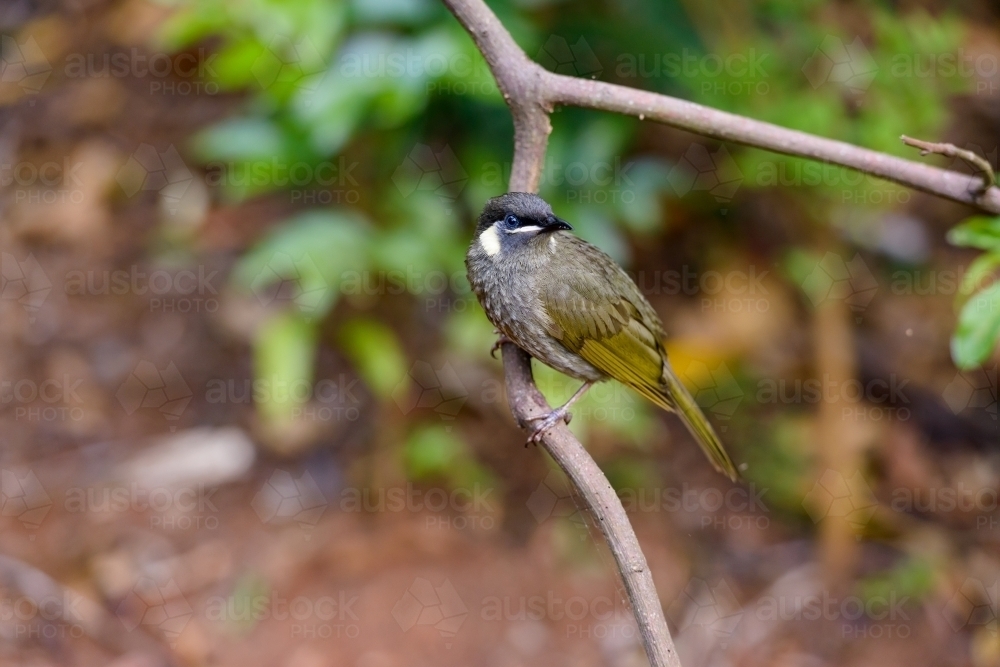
x=554 y=224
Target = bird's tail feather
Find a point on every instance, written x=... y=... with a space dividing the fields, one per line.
x=679 y=400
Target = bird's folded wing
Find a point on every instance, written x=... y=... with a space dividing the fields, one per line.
x=604 y=327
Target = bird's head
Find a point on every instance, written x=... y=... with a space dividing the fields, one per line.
x=509 y=222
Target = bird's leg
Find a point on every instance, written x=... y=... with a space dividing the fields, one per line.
x=560 y=413
x=501 y=339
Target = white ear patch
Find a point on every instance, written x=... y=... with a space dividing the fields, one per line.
x=490 y=241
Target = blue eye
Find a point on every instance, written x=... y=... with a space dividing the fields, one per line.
x=511 y=221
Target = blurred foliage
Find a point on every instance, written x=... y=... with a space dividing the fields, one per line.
x=912 y=578
x=358 y=90
x=979 y=296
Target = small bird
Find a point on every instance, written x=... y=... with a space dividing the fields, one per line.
x=569 y=305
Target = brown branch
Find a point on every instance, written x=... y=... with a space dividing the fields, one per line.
x=531 y=93
x=951 y=150
x=526 y=402
x=523 y=84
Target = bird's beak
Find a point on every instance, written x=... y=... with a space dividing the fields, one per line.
x=553 y=224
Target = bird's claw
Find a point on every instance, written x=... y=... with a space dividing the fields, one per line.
x=501 y=339
x=547 y=422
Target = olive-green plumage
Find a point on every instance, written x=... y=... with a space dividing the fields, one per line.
x=569 y=305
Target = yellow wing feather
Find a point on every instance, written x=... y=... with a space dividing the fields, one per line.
x=606 y=320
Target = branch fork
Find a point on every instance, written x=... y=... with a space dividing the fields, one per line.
x=532 y=93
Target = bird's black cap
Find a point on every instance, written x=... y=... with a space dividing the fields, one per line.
x=529 y=207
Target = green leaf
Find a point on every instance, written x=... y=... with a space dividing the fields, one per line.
x=978 y=329
x=375 y=352
x=239 y=139
x=305 y=262
x=977 y=232
x=284 y=352
x=437 y=453
x=975 y=278
x=432 y=451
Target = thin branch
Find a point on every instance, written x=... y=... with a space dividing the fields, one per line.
x=531 y=93
x=530 y=89
x=978 y=162
x=523 y=84
x=527 y=403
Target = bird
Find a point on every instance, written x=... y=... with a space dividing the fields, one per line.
x=569 y=305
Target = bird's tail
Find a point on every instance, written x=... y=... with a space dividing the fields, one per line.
x=695 y=420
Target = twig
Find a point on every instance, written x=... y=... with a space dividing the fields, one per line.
x=522 y=84
x=526 y=402
x=532 y=91
x=951 y=150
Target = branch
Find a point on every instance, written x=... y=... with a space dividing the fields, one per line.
x=951 y=150
x=532 y=91
x=526 y=402
x=522 y=84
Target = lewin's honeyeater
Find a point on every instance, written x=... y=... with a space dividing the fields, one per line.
x=569 y=305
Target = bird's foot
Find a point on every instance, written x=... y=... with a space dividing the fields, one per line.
x=547 y=422
x=501 y=339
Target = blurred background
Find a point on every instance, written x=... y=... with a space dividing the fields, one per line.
x=248 y=414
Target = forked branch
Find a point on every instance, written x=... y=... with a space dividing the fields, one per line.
x=532 y=93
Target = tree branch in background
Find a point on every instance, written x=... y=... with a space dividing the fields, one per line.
x=532 y=92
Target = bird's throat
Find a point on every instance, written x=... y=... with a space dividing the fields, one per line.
x=490 y=241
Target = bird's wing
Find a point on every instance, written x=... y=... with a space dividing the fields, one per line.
x=597 y=312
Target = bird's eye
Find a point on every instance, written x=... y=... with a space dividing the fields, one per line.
x=511 y=221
